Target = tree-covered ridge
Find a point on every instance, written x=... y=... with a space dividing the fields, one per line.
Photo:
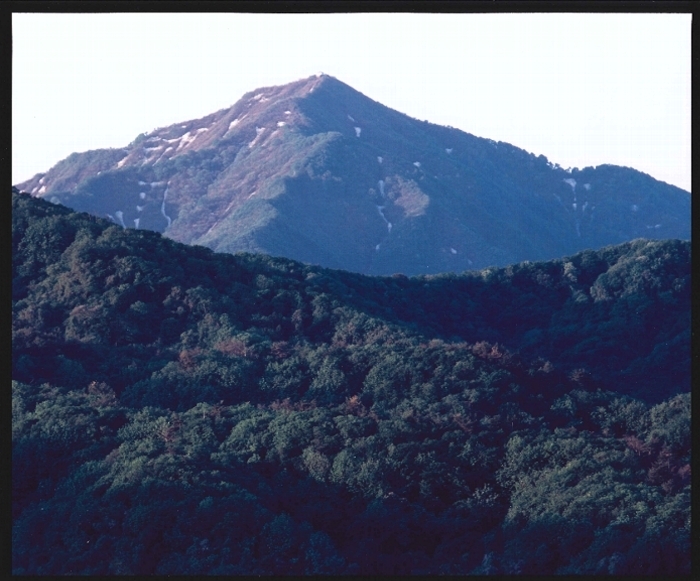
x=180 y=411
x=86 y=292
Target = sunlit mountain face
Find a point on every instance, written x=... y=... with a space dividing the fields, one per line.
x=317 y=172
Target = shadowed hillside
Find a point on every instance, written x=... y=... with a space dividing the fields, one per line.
x=177 y=411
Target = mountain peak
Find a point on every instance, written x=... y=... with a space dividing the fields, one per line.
x=316 y=171
x=295 y=89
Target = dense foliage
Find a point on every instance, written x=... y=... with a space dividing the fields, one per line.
x=180 y=411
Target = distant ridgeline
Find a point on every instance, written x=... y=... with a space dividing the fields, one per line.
x=317 y=172
x=178 y=411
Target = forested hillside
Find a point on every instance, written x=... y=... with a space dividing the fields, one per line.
x=177 y=411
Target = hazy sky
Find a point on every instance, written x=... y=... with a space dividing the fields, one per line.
x=582 y=89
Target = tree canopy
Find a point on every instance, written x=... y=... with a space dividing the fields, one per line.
x=177 y=411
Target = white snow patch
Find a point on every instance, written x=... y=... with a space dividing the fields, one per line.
x=119 y=214
x=251 y=195
x=380 y=209
x=41 y=181
x=259 y=131
x=202 y=130
x=635 y=207
x=122 y=162
x=140 y=208
x=162 y=207
x=416 y=163
x=351 y=119
x=657 y=226
x=376 y=247
x=453 y=251
x=258 y=97
x=188 y=138
x=234 y=123
x=380 y=159
x=469 y=261
x=231 y=203
x=34 y=189
x=380 y=183
x=142 y=183
x=449 y=150
x=142 y=195
x=574 y=206
x=54 y=200
x=42 y=190
x=157 y=184
x=111 y=218
x=185 y=140
x=183 y=126
x=287 y=112
x=281 y=124
x=587 y=186
x=571 y=182
x=358 y=130
x=136 y=223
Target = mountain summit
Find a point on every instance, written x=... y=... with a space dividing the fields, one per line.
x=318 y=172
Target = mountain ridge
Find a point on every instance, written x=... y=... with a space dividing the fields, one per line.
x=316 y=171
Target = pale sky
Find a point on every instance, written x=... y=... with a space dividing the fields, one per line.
x=582 y=89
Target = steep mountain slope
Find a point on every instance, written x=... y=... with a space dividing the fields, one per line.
x=317 y=172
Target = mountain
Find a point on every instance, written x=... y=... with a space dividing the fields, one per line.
x=317 y=172
x=178 y=411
